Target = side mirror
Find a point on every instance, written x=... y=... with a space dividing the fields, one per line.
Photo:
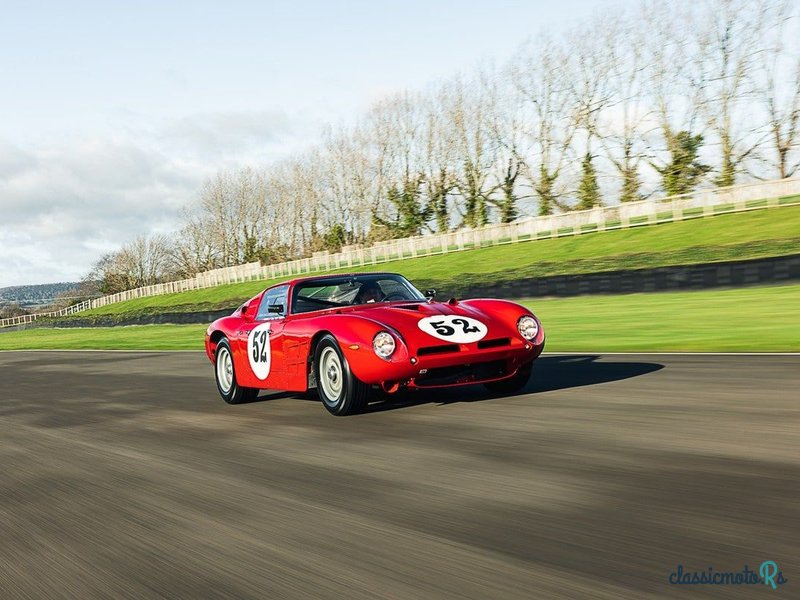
x=275 y=308
x=430 y=294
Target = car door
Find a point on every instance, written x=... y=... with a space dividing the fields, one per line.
x=262 y=342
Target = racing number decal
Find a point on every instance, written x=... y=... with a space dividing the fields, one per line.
x=260 y=345
x=461 y=330
x=258 y=351
x=446 y=330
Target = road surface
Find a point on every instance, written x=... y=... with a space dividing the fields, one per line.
x=125 y=476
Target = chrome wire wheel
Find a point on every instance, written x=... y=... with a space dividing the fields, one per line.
x=224 y=369
x=332 y=376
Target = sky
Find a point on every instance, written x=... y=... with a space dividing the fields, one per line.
x=112 y=113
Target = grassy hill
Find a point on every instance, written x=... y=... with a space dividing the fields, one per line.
x=756 y=234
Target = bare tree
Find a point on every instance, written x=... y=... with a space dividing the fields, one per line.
x=673 y=86
x=146 y=260
x=506 y=124
x=216 y=204
x=192 y=251
x=468 y=114
x=293 y=197
x=778 y=89
x=591 y=86
x=13 y=309
x=346 y=177
x=439 y=160
x=397 y=126
x=728 y=37
x=541 y=76
x=623 y=125
x=234 y=207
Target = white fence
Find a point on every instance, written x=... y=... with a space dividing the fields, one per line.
x=703 y=203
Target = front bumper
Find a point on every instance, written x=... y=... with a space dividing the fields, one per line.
x=461 y=364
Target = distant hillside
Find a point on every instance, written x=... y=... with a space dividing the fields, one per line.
x=34 y=295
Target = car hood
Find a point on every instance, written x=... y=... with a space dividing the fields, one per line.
x=404 y=318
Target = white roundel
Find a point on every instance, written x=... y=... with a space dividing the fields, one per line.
x=453 y=328
x=258 y=351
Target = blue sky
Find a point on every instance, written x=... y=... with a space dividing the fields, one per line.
x=113 y=113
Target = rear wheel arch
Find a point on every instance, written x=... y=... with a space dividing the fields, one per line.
x=216 y=337
x=225 y=376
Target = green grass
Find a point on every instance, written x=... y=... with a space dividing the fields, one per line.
x=756 y=319
x=133 y=337
x=738 y=236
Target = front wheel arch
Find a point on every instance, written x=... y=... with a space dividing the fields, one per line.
x=311 y=357
x=353 y=394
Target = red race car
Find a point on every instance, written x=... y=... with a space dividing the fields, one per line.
x=345 y=334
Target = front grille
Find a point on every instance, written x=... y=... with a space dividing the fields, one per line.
x=496 y=343
x=443 y=349
x=462 y=373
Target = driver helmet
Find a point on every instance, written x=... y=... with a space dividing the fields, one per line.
x=370 y=291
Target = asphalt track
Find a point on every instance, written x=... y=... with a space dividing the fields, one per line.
x=122 y=475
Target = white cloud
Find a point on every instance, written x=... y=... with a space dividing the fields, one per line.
x=221 y=132
x=13 y=160
x=65 y=203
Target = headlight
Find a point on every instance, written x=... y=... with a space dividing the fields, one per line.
x=528 y=327
x=383 y=344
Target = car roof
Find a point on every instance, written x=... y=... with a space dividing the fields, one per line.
x=335 y=276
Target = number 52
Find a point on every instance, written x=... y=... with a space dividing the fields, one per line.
x=443 y=328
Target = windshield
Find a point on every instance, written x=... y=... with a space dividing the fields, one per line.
x=317 y=294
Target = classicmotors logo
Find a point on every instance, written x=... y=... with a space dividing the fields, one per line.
x=768 y=574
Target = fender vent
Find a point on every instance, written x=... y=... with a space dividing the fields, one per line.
x=414 y=307
x=443 y=349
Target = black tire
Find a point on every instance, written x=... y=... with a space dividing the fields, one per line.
x=234 y=394
x=341 y=392
x=514 y=383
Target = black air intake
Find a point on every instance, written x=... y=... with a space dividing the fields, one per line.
x=443 y=349
x=496 y=343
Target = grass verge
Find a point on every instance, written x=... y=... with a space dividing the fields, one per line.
x=132 y=337
x=757 y=319
x=753 y=319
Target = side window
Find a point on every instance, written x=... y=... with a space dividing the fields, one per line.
x=273 y=297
